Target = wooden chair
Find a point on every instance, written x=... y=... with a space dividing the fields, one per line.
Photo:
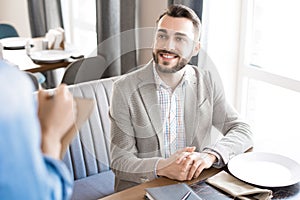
x=83 y=70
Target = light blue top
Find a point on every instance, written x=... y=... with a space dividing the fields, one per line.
x=25 y=173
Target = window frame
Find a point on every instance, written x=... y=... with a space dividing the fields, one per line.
x=247 y=71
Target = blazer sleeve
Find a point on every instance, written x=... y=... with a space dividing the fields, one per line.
x=123 y=151
x=237 y=134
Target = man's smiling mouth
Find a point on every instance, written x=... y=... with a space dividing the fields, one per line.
x=168 y=55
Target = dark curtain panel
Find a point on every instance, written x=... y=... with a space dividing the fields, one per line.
x=116 y=38
x=43 y=16
x=197 y=6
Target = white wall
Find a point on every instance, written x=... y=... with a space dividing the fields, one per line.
x=15 y=12
x=149 y=11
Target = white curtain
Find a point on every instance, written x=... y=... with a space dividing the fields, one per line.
x=79 y=18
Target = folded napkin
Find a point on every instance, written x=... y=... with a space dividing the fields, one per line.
x=237 y=188
x=56 y=39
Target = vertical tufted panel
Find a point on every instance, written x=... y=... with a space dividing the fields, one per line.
x=88 y=153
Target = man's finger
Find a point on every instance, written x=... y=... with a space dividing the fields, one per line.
x=182 y=156
x=199 y=170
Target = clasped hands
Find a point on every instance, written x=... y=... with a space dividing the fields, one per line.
x=185 y=164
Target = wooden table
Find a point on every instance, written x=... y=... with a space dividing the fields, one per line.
x=24 y=62
x=45 y=67
x=138 y=192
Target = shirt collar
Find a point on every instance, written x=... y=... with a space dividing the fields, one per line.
x=160 y=83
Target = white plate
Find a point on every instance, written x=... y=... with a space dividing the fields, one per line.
x=265 y=169
x=49 y=56
x=14 y=43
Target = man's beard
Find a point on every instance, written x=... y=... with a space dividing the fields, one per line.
x=180 y=64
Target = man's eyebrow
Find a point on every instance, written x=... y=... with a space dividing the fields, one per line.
x=176 y=33
x=162 y=30
x=181 y=34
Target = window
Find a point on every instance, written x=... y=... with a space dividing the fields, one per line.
x=80 y=25
x=276 y=37
x=269 y=77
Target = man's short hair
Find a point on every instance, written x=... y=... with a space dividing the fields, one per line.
x=178 y=10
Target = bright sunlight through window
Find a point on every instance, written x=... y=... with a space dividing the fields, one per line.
x=270 y=74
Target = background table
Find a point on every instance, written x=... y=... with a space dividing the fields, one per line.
x=45 y=67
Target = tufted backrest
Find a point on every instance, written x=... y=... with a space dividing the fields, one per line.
x=88 y=153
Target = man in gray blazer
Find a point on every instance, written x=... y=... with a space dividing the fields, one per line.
x=162 y=114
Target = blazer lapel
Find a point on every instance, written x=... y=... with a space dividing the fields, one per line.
x=190 y=105
x=194 y=98
x=147 y=88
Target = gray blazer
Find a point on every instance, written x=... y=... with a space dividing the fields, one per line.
x=137 y=140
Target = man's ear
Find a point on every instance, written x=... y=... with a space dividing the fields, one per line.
x=196 y=48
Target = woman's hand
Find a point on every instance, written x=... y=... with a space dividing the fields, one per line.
x=56 y=114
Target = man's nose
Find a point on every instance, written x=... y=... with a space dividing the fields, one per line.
x=170 y=44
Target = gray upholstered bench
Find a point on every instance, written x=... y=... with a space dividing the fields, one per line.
x=88 y=155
